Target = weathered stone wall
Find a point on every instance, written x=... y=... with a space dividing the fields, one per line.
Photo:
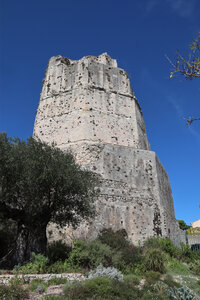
x=193 y=239
x=88 y=107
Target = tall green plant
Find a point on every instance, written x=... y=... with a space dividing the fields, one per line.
x=38 y=184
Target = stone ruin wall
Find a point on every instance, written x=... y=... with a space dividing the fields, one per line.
x=88 y=107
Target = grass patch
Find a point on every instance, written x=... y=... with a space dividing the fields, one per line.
x=175 y=266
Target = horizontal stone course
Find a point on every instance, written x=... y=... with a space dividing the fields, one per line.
x=4 y=279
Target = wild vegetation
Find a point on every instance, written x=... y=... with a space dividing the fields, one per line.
x=115 y=269
x=38 y=184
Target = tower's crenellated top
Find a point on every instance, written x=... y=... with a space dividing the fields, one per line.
x=104 y=58
x=89 y=99
x=99 y=72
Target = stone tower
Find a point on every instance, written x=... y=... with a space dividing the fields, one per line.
x=87 y=106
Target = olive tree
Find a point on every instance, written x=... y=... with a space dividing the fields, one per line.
x=38 y=184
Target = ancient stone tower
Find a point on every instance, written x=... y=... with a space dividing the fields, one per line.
x=88 y=107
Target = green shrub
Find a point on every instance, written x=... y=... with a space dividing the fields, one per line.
x=195 y=267
x=91 y=254
x=187 y=254
x=13 y=291
x=154 y=260
x=61 y=267
x=152 y=276
x=38 y=285
x=167 y=246
x=139 y=269
x=164 y=244
x=177 y=266
x=133 y=279
x=38 y=264
x=16 y=281
x=58 y=250
x=116 y=240
x=101 y=288
x=160 y=287
x=126 y=255
x=152 y=242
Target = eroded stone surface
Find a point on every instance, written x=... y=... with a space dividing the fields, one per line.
x=88 y=107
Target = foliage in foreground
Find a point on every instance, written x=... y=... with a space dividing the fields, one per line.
x=156 y=255
x=38 y=184
x=13 y=291
x=107 y=282
x=106 y=288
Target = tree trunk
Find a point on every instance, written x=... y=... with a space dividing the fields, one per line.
x=29 y=239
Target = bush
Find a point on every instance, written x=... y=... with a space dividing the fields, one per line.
x=187 y=254
x=164 y=244
x=38 y=264
x=154 y=260
x=97 y=287
x=38 y=285
x=152 y=276
x=177 y=266
x=160 y=287
x=167 y=246
x=102 y=288
x=126 y=255
x=152 y=242
x=13 y=291
x=133 y=279
x=116 y=240
x=195 y=267
x=61 y=267
x=58 y=250
x=91 y=254
x=107 y=272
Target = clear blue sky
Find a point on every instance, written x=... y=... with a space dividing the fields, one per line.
x=138 y=33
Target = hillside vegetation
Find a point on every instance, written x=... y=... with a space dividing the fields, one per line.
x=115 y=269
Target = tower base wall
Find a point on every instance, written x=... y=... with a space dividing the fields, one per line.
x=135 y=194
